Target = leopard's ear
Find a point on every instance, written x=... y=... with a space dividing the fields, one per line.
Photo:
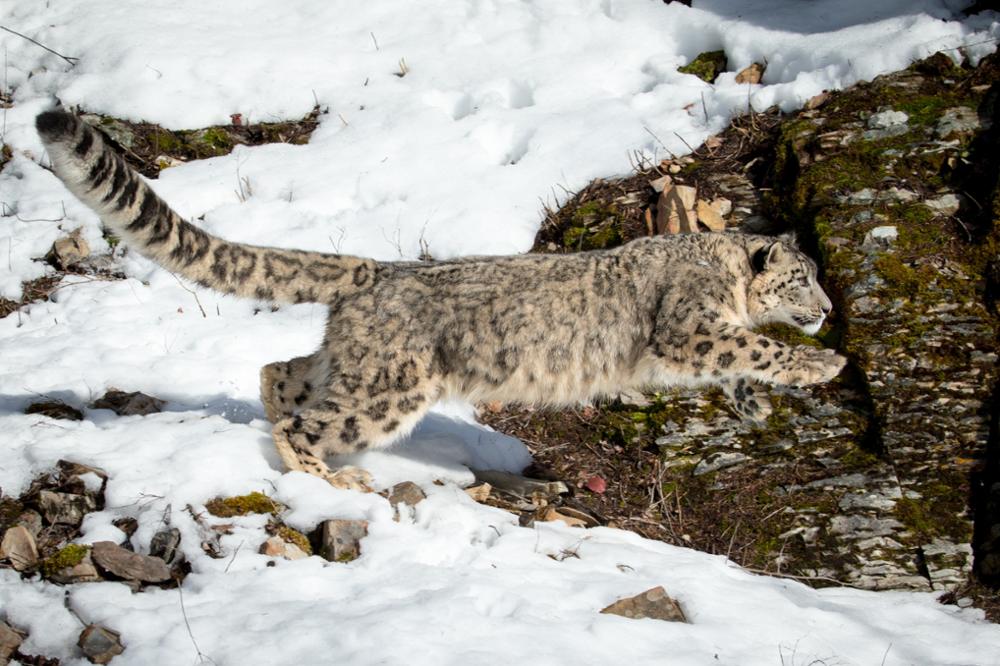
x=767 y=256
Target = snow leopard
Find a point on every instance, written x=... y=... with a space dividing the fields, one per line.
x=540 y=329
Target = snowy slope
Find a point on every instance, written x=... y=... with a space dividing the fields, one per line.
x=505 y=105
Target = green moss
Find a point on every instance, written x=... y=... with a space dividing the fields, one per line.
x=595 y=226
x=295 y=537
x=707 y=66
x=66 y=557
x=217 y=138
x=788 y=334
x=241 y=505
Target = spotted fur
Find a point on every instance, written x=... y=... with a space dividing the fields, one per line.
x=539 y=329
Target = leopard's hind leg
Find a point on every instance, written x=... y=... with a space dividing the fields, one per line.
x=355 y=413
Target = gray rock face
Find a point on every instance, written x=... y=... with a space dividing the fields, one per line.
x=654 y=603
x=125 y=564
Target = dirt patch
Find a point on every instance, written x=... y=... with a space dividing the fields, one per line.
x=33 y=290
x=150 y=148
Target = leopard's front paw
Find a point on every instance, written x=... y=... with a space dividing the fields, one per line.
x=748 y=400
x=350 y=478
x=811 y=366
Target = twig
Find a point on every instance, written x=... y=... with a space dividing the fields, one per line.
x=884 y=656
x=70 y=59
x=193 y=293
x=201 y=655
x=233 y=558
x=684 y=142
x=375 y=41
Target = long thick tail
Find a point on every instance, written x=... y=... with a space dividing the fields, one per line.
x=99 y=177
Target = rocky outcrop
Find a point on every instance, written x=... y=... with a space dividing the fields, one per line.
x=873 y=480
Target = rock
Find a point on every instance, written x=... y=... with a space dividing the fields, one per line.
x=751 y=74
x=711 y=215
x=407 y=493
x=114 y=559
x=520 y=485
x=716 y=461
x=126 y=524
x=479 y=492
x=675 y=210
x=65 y=508
x=55 y=410
x=80 y=479
x=567 y=515
x=946 y=204
x=886 y=124
x=880 y=238
x=957 y=122
x=165 y=545
x=10 y=641
x=660 y=183
x=99 y=644
x=83 y=571
x=19 y=548
x=654 y=603
x=68 y=251
x=129 y=404
x=340 y=540
x=32 y=521
x=817 y=101
x=277 y=547
x=707 y=66
x=596 y=484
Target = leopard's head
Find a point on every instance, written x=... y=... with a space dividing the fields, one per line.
x=784 y=289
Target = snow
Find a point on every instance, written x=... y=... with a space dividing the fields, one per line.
x=505 y=105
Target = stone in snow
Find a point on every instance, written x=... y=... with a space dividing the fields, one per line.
x=114 y=559
x=19 y=548
x=100 y=644
x=654 y=603
x=406 y=492
x=340 y=540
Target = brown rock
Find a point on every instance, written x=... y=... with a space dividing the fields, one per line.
x=129 y=404
x=752 y=74
x=65 y=508
x=126 y=524
x=675 y=210
x=30 y=520
x=55 y=410
x=709 y=214
x=654 y=603
x=566 y=514
x=100 y=644
x=18 y=546
x=68 y=250
x=407 y=493
x=479 y=492
x=10 y=641
x=339 y=540
x=817 y=101
x=277 y=547
x=114 y=559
